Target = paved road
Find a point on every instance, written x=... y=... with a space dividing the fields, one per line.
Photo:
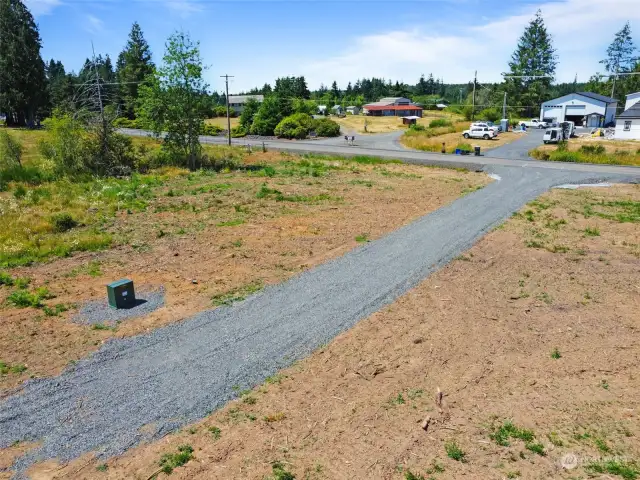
x=177 y=374
x=519 y=149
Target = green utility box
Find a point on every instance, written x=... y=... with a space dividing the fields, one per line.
x=121 y=294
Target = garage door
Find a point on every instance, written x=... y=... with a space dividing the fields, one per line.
x=550 y=112
x=574 y=113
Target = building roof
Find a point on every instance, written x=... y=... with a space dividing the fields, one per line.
x=374 y=106
x=411 y=117
x=597 y=96
x=244 y=98
x=632 y=112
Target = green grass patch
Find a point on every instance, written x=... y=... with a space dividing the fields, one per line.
x=231 y=223
x=280 y=472
x=536 y=448
x=591 y=232
x=170 y=461
x=215 y=432
x=237 y=294
x=455 y=452
x=23 y=298
x=362 y=238
x=502 y=434
x=555 y=354
x=15 y=369
x=626 y=470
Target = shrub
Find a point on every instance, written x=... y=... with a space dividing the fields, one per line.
x=63 y=222
x=592 y=149
x=212 y=130
x=490 y=114
x=416 y=127
x=564 y=156
x=438 y=122
x=10 y=150
x=169 y=461
x=325 y=127
x=297 y=125
x=220 y=111
x=238 y=131
x=123 y=122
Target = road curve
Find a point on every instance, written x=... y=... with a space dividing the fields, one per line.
x=179 y=373
x=410 y=156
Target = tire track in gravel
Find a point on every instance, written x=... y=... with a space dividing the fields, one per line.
x=179 y=373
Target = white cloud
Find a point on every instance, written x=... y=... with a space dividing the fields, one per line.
x=41 y=7
x=184 y=8
x=93 y=24
x=581 y=30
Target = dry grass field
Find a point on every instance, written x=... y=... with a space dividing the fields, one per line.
x=222 y=122
x=591 y=150
x=530 y=338
x=204 y=236
x=355 y=123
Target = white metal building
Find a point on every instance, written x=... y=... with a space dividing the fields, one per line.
x=628 y=122
x=584 y=108
x=237 y=102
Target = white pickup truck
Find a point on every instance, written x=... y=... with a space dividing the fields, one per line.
x=480 y=132
x=534 y=123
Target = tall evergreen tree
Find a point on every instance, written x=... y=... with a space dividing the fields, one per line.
x=133 y=66
x=620 y=54
x=23 y=90
x=534 y=57
x=60 y=85
x=335 y=91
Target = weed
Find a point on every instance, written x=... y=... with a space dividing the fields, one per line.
x=237 y=294
x=93 y=269
x=102 y=467
x=529 y=215
x=514 y=474
x=362 y=238
x=101 y=326
x=413 y=394
x=249 y=400
x=587 y=296
x=604 y=384
x=274 y=417
x=558 y=249
x=454 y=451
x=536 y=448
x=409 y=475
x=534 y=244
x=169 y=461
x=555 y=439
x=435 y=468
x=545 y=297
x=601 y=444
x=5 y=279
x=265 y=191
x=508 y=430
x=23 y=298
x=280 y=472
x=17 y=369
x=463 y=258
x=231 y=223
x=366 y=183
x=555 y=354
x=273 y=379
x=56 y=310
x=215 y=432
x=63 y=222
x=626 y=470
x=591 y=232
x=237 y=243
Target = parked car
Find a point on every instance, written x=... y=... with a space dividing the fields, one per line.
x=489 y=125
x=553 y=135
x=534 y=123
x=480 y=132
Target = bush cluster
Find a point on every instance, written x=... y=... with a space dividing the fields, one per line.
x=299 y=125
x=211 y=130
x=439 y=122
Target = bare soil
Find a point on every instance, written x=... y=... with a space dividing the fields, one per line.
x=219 y=242
x=537 y=324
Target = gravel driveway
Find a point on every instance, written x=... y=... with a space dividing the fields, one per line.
x=519 y=149
x=179 y=373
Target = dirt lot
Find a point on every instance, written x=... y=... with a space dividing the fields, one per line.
x=355 y=123
x=206 y=238
x=531 y=336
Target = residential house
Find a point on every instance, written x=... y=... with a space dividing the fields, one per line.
x=237 y=102
x=628 y=122
x=352 y=110
x=392 y=106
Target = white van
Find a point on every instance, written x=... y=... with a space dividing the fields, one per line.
x=553 y=135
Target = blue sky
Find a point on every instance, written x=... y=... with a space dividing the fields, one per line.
x=258 y=41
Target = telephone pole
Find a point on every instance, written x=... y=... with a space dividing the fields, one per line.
x=226 y=80
x=473 y=107
x=504 y=106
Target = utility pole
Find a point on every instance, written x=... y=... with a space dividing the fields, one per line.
x=226 y=79
x=473 y=107
x=102 y=118
x=613 y=87
x=504 y=106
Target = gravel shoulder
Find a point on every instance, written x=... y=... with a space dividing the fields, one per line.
x=141 y=388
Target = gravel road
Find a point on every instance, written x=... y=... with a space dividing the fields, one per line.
x=179 y=373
